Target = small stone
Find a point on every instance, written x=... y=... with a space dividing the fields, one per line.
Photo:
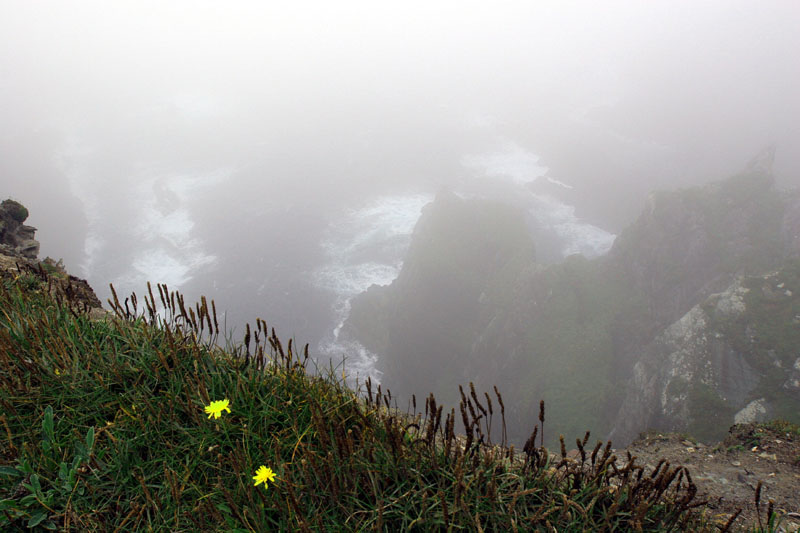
x=573 y=454
x=736 y=463
x=754 y=449
x=690 y=449
x=765 y=455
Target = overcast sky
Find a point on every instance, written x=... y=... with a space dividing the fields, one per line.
x=339 y=96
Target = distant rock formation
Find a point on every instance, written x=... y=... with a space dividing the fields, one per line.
x=19 y=253
x=730 y=359
x=458 y=257
x=689 y=323
x=15 y=237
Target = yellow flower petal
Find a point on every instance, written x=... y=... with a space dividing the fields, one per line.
x=216 y=407
x=263 y=474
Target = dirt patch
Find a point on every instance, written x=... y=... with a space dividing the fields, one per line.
x=727 y=474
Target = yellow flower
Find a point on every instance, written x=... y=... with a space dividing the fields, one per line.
x=216 y=408
x=58 y=372
x=264 y=474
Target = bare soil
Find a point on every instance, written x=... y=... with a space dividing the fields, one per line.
x=727 y=474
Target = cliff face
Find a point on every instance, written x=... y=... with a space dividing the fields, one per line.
x=19 y=259
x=15 y=237
x=731 y=359
x=426 y=320
x=641 y=337
x=688 y=244
x=472 y=305
x=717 y=268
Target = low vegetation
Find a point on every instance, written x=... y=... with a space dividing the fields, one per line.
x=141 y=421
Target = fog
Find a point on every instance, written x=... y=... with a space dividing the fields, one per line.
x=248 y=151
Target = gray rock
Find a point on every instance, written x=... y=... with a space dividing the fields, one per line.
x=17 y=238
x=792 y=383
x=688 y=368
x=755 y=411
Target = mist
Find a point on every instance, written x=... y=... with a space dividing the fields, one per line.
x=276 y=157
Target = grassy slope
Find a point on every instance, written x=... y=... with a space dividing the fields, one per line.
x=103 y=428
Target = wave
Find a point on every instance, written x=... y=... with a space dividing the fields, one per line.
x=364 y=246
x=510 y=171
x=574 y=236
x=140 y=228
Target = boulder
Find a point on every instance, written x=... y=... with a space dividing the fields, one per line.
x=15 y=237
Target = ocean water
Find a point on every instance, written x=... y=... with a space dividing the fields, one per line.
x=510 y=170
x=169 y=251
x=153 y=237
x=509 y=162
x=364 y=246
x=141 y=228
x=574 y=236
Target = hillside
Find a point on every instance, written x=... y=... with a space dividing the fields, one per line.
x=109 y=424
x=615 y=344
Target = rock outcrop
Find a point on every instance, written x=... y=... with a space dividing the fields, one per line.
x=15 y=237
x=461 y=252
x=731 y=359
x=19 y=260
x=648 y=335
x=688 y=244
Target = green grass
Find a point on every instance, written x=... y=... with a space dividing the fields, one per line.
x=784 y=426
x=103 y=429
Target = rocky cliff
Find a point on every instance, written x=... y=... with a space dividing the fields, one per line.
x=19 y=262
x=462 y=251
x=687 y=244
x=733 y=358
x=606 y=342
x=15 y=237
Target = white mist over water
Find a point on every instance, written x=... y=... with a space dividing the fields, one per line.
x=170 y=252
x=364 y=247
x=515 y=168
x=511 y=162
x=152 y=235
x=575 y=236
x=144 y=232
